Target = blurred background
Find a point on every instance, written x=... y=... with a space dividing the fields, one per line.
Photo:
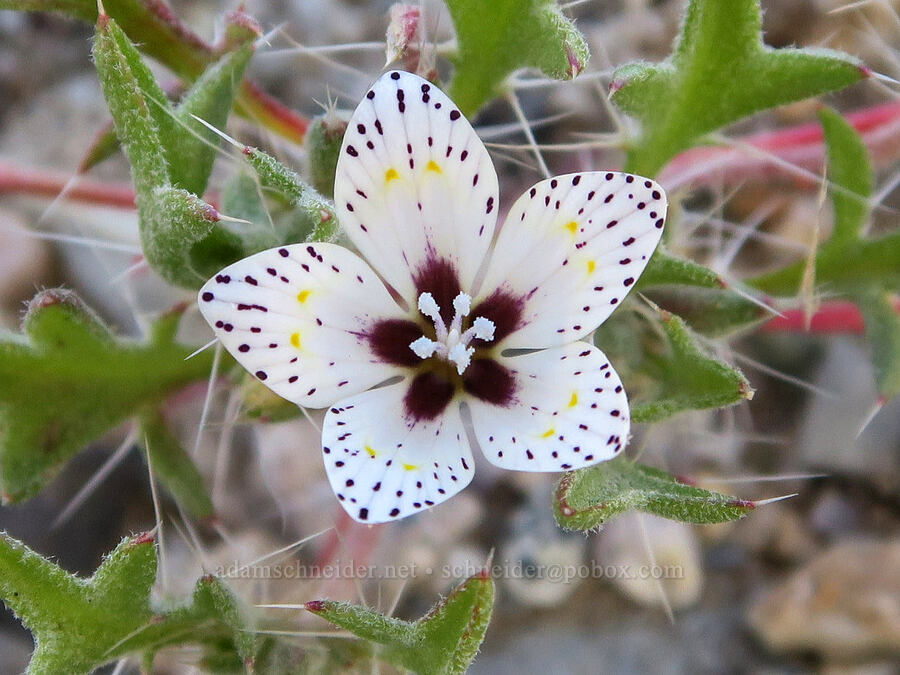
x=809 y=584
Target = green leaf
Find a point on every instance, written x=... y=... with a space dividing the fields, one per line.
x=709 y=311
x=192 y=149
x=125 y=81
x=66 y=381
x=445 y=640
x=173 y=466
x=587 y=498
x=76 y=622
x=720 y=71
x=81 y=624
x=323 y=146
x=882 y=321
x=664 y=369
x=314 y=215
x=850 y=174
x=183 y=239
x=496 y=38
x=665 y=268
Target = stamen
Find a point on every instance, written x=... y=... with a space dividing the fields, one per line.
x=461 y=356
x=450 y=345
x=484 y=329
x=423 y=347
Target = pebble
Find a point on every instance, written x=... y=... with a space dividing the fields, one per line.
x=843 y=605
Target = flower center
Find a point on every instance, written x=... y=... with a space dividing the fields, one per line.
x=451 y=344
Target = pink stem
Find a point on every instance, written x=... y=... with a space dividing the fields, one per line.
x=41 y=183
x=833 y=317
x=801 y=146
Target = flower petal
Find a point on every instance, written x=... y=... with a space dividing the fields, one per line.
x=297 y=317
x=382 y=466
x=569 y=252
x=414 y=184
x=569 y=411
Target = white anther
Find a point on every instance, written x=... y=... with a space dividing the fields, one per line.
x=423 y=347
x=451 y=344
x=462 y=305
x=484 y=329
x=461 y=356
x=429 y=307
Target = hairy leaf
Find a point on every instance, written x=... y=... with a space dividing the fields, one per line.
x=65 y=381
x=587 y=498
x=445 y=640
x=81 y=624
x=496 y=38
x=719 y=72
x=664 y=369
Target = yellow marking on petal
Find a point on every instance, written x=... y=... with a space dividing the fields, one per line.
x=432 y=166
x=572 y=226
x=390 y=175
x=410 y=467
x=371 y=452
x=574 y=400
x=592 y=265
x=295 y=340
x=303 y=295
x=548 y=433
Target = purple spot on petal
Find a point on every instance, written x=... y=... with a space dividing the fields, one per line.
x=488 y=380
x=504 y=309
x=438 y=276
x=428 y=396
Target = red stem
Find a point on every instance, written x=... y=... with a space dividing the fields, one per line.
x=833 y=317
x=42 y=183
x=801 y=146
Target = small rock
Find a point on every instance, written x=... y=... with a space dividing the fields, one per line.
x=844 y=605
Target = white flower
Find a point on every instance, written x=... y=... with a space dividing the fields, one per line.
x=439 y=305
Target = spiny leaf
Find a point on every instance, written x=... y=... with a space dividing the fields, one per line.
x=75 y=622
x=192 y=149
x=66 y=381
x=496 y=38
x=314 y=214
x=720 y=71
x=445 y=640
x=698 y=294
x=587 y=498
x=81 y=624
x=665 y=370
x=123 y=77
x=173 y=466
x=183 y=239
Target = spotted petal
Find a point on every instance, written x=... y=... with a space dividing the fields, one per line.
x=299 y=317
x=415 y=189
x=569 y=411
x=382 y=466
x=570 y=250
